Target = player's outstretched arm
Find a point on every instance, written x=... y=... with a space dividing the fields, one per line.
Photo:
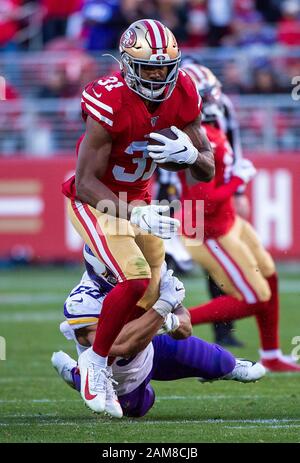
x=203 y=168
x=93 y=156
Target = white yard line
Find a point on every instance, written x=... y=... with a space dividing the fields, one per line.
x=265 y=426
x=158 y=398
x=255 y=423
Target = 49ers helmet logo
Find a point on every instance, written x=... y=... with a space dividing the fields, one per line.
x=128 y=39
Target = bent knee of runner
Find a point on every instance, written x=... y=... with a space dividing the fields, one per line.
x=264 y=294
x=268 y=267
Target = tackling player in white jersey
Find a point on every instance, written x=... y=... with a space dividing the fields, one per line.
x=140 y=354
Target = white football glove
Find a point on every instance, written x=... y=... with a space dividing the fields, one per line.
x=179 y=151
x=149 y=219
x=171 y=324
x=244 y=169
x=172 y=293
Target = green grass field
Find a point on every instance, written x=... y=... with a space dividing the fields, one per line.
x=36 y=406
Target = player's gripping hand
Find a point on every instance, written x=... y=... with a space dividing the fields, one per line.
x=244 y=169
x=171 y=324
x=180 y=150
x=172 y=293
x=149 y=219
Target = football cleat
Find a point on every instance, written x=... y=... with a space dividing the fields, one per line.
x=280 y=365
x=245 y=371
x=93 y=380
x=64 y=365
x=112 y=404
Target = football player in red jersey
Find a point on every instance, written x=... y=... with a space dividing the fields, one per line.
x=114 y=168
x=231 y=251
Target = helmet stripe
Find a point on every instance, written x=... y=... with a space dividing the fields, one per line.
x=152 y=35
x=158 y=41
x=162 y=35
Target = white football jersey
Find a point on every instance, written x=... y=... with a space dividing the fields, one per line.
x=130 y=373
x=82 y=308
x=84 y=303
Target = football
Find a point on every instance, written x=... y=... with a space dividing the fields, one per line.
x=173 y=166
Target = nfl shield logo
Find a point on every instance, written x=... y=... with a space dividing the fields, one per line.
x=154 y=120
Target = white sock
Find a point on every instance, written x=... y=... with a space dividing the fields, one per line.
x=100 y=361
x=270 y=354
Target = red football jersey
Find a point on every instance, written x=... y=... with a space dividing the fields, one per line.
x=219 y=212
x=125 y=116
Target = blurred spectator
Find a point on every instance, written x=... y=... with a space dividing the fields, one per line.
x=264 y=82
x=220 y=16
x=9 y=10
x=197 y=24
x=57 y=84
x=57 y=13
x=10 y=120
x=79 y=66
x=104 y=21
x=173 y=13
x=133 y=10
x=68 y=73
x=289 y=26
x=248 y=26
x=270 y=9
x=233 y=79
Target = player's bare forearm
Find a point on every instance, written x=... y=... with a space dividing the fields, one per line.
x=93 y=157
x=136 y=335
x=185 y=328
x=204 y=167
x=133 y=338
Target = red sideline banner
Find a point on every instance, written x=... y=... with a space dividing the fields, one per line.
x=33 y=215
x=274 y=194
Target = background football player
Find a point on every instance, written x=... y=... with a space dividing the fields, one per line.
x=231 y=251
x=169 y=187
x=141 y=355
x=114 y=168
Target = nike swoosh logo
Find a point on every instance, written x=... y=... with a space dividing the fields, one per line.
x=87 y=393
x=181 y=151
x=98 y=95
x=143 y=217
x=78 y=300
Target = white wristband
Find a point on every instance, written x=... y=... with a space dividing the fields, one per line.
x=162 y=307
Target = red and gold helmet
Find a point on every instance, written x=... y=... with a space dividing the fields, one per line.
x=148 y=42
x=209 y=88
